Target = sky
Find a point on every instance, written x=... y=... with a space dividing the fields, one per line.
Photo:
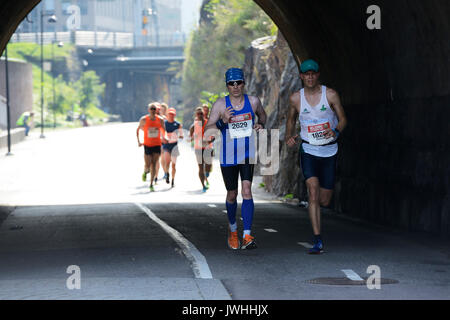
x=190 y=13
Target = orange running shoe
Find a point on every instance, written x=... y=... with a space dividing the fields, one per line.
x=248 y=242
x=233 y=240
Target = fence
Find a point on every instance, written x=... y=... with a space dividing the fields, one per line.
x=100 y=39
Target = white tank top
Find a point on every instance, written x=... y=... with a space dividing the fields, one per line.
x=313 y=122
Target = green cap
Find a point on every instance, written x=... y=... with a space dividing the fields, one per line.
x=309 y=65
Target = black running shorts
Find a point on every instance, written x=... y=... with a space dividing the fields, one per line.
x=231 y=175
x=151 y=150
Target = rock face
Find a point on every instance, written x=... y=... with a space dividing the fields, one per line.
x=272 y=75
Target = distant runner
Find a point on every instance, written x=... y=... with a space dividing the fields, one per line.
x=235 y=115
x=196 y=133
x=205 y=108
x=322 y=119
x=153 y=127
x=170 y=149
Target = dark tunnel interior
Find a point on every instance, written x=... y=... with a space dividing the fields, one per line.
x=394 y=83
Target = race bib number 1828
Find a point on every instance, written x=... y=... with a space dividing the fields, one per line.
x=316 y=134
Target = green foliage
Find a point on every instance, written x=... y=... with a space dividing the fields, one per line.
x=221 y=44
x=89 y=90
x=210 y=98
x=79 y=96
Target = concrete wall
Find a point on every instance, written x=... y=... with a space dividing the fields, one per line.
x=20 y=88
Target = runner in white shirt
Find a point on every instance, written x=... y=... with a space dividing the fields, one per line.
x=322 y=119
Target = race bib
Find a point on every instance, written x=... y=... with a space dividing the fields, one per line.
x=241 y=126
x=172 y=137
x=316 y=134
x=153 y=132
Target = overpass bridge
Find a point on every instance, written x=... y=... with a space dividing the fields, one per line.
x=135 y=69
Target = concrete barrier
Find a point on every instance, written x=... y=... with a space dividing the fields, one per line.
x=17 y=135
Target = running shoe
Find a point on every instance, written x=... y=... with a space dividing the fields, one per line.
x=144 y=176
x=167 y=178
x=152 y=189
x=248 y=242
x=204 y=189
x=156 y=180
x=317 y=248
x=207 y=184
x=233 y=240
x=173 y=183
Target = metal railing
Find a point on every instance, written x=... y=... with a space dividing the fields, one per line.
x=102 y=39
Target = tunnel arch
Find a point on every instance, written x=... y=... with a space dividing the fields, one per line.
x=395 y=86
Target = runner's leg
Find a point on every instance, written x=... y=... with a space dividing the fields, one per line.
x=314 y=203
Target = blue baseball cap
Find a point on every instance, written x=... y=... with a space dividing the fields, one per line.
x=234 y=74
x=309 y=65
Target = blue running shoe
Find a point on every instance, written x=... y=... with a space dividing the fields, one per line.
x=204 y=189
x=317 y=248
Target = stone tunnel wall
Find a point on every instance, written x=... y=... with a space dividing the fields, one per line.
x=394 y=158
x=395 y=87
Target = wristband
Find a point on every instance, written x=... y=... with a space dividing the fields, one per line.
x=220 y=124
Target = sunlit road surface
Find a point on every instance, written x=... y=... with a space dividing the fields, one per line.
x=76 y=198
x=95 y=165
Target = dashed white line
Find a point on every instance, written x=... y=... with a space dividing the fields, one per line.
x=271 y=230
x=224 y=211
x=212 y=205
x=305 y=244
x=352 y=275
x=198 y=261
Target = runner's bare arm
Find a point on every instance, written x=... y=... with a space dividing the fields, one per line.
x=260 y=112
x=163 y=131
x=180 y=129
x=216 y=113
x=335 y=103
x=294 y=108
x=140 y=127
x=191 y=131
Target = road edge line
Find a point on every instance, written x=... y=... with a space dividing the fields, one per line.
x=196 y=258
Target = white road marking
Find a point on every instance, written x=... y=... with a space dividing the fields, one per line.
x=224 y=211
x=212 y=205
x=352 y=275
x=305 y=244
x=271 y=230
x=198 y=261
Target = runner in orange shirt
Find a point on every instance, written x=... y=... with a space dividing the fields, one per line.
x=153 y=127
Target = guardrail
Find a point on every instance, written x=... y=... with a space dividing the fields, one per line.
x=102 y=39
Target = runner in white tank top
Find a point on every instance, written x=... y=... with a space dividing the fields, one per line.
x=314 y=122
x=322 y=118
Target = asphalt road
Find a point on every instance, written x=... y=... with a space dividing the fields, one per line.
x=76 y=199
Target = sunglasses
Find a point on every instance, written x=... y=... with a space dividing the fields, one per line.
x=153 y=109
x=235 y=83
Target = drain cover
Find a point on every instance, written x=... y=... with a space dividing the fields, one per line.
x=346 y=281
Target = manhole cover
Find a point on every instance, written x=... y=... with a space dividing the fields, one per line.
x=347 y=281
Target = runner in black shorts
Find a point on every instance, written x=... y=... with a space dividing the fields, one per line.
x=321 y=118
x=235 y=116
x=170 y=150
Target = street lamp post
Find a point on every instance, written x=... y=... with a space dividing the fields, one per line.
x=60 y=45
x=52 y=19
x=8 y=114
